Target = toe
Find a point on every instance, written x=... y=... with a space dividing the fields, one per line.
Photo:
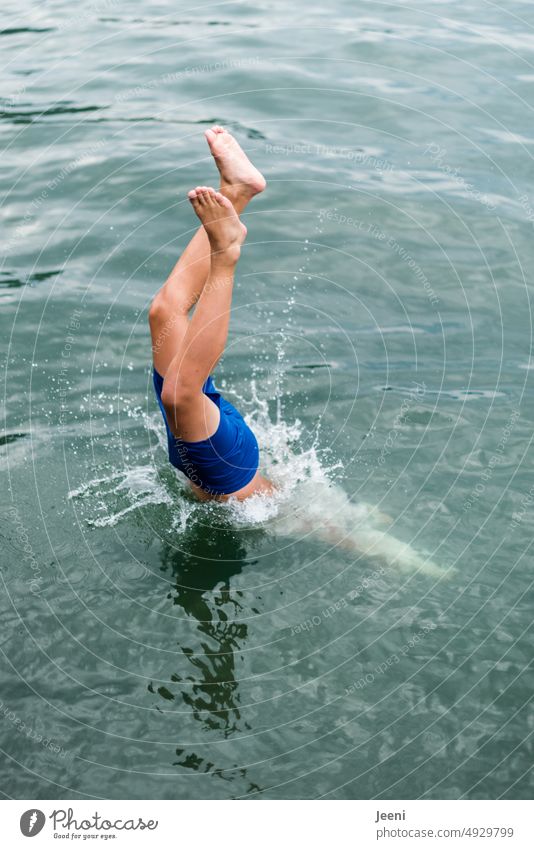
x=223 y=201
x=192 y=194
x=211 y=136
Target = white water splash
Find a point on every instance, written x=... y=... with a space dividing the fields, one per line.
x=308 y=502
x=139 y=485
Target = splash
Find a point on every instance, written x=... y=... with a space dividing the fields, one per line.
x=138 y=486
x=309 y=501
x=108 y=498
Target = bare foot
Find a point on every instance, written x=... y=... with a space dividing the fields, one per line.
x=225 y=231
x=238 y=174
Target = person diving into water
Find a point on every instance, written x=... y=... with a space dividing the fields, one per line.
x=208 y=439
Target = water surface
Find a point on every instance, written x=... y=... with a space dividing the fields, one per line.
x=380 y=344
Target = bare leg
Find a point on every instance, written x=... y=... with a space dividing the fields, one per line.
x=168 y=315
x=192 y=415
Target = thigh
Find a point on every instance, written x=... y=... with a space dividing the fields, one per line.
x=167 y=336
x=197 y=420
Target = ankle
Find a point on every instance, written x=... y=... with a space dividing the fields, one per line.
x=225 y=258
x=238 y=195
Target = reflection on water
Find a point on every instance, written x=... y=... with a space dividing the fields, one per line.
x=202 y=588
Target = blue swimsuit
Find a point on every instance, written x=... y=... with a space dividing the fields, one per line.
x=223 y=463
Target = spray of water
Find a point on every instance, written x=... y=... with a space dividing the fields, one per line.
x=308 y=500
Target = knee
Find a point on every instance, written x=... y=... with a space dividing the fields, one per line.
x=166 y=308
x=176 y=396
x=158 y=311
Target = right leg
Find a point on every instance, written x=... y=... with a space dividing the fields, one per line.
x=169 y=310
x=192 y=415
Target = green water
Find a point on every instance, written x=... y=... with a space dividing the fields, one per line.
x=381 y=344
